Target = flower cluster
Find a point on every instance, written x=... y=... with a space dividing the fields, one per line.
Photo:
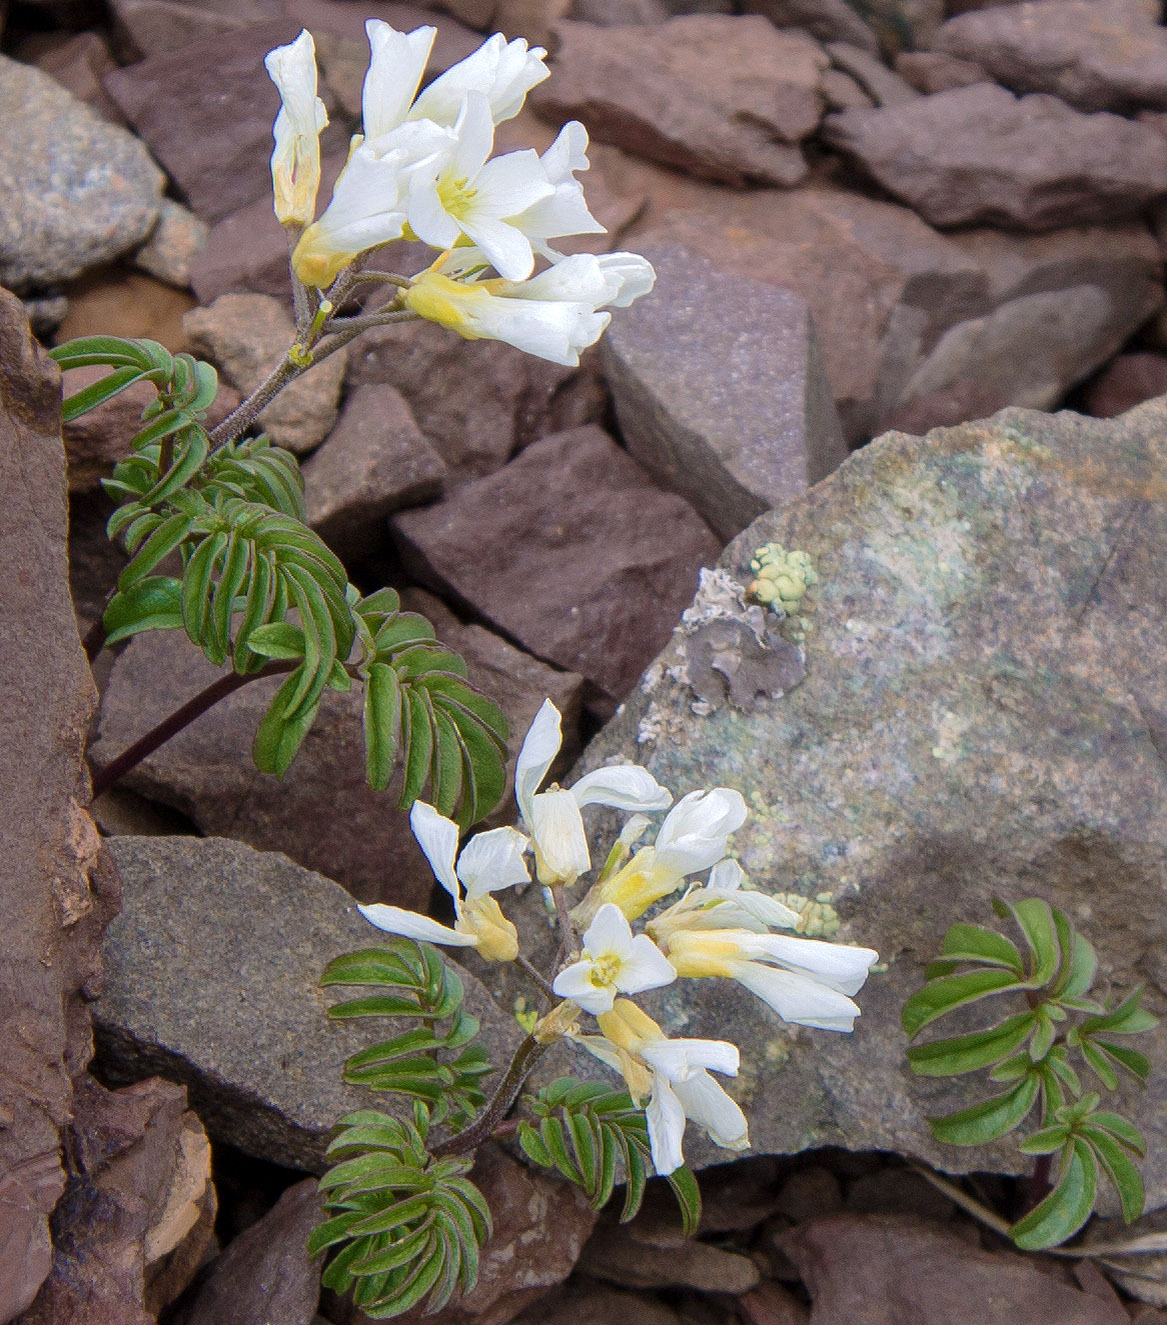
x=421 y=168
x=719 y=928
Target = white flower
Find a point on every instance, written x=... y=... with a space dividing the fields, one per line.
x=490 y=861
x=723 y=904
x=674 y=1075
x=692 y=838
x=563 y=212
x=459 y=191
x=397 y=63
x=553 y=818
x=553 y=315
x=805 y=981
x=613 y=962
x=295 y=163
x=503 y=72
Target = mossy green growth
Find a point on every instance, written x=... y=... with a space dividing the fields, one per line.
x=781 y=577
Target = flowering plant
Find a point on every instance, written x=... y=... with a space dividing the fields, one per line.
x=399 y=1201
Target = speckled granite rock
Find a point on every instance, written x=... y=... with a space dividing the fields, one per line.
x=983 y=712
x=211 y=979
x=75 y=190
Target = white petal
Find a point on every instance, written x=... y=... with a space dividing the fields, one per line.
x=575 y=982
x=708 y=1105
x=558 y=834
x=508 y=185
x=836 y=964
x=396 y=920
x=726 y=876
x=428 y=218
x=634 y=276
x=474 y=139
x=679 y=1059
x=519 y=69
x=645 y=967
x=798 y=998
x=438 y=838
x=442 y=100
x=396 y=67
x=540 y=746
x=600 y=1048
x=509 y=251
x=623 y=787
x=609 y=934
x=693 y=836
x=567 y=154
x=492 y=861
x=565 y=212
x=666 y=1127
x=295 y=162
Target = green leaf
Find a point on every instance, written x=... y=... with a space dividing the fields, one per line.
x=382 y=724
x=417 y=739
x=1098 y=1062
x=688 y=1195
x=196 y=584
x=370 y=966
x=984 y=1122
x=280 y=734
x=1045 y=1141
x=167 y=535
x=1125 y=1131
x=154 y=603
x=533 y=1146
x=1077 y=973
x=967 y=1053
x=446 y=765
x=1128 y=1018
x=1035 y=918
x=950 y=992
x=84 y=351
x=975 y=943
x=278 y=639
x=1066 y=1208
x=1137 y=1064
x=189 y=453
x=1043 y=1035
x=97 y=393
x=1119 y=1169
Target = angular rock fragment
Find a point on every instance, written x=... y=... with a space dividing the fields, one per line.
x=722 y=97
x=980 y=156
x=933 y=71
x=1125 y=383
x=885 y=87
x=828 y=20
x=75 y=190
x=174 y=243
x=212 y=972
x=622 y=1256
x=589 y=563
x=720 y=391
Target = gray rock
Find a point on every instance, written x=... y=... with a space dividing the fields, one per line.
x=983 y=713
x=828 y=20
x=176 y=240
x=720 y=391
x=246 y=336
x=211 y=980
x=885 y=87
x=980 y=156
x=841 y=91
x=376 y=460
x=589 y=562
x=75 y=190
x=722 y=97
x=1094 y=54
x=933 y=71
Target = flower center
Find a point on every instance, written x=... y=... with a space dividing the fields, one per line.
x=455 y=196
x=604 y=971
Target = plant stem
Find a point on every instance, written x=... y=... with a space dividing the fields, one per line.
x=481 y=1130
x=544 y=986
x=235 y=422
x=176 y=721
x=1039 y=1184
x=566 y=928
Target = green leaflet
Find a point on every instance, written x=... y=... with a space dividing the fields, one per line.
x=1067 y=1207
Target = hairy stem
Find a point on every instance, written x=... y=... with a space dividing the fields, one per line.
x=544 y=986
x=235 y=422
x=500 y=1104
x=176 y=721
x=566 y=928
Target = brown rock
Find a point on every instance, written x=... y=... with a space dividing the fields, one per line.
x=207 y=773
x=114 y=302
x=898 y=1191
x=264 y=1277
x=376 y=460
x=138 y=1212
x=589 y=564
x=174 y=243
x=1127 y=382
x=147 y=28
x=841 y=91
x=721 y=97
x=56 y=886
x=1094 y=54
x=828 y=20
x=618 y=1256
x=933 y=71
x=809 y=1194
x=978 y=155
x=884 y=1269
x=771 y=1304
x=720 y=390
x=582 y=1302
x=79 y=63
x=620 y=13
x=246 y=336
x=735 y=1197
x=885 y=87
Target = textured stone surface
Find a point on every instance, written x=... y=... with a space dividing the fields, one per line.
x=158 y=27
x=322 y=812
x=980 y=156
x=79 y=63
x=721 y=97
x=138 y=1213
x=883 y=86
x=1095 y=54
x=264 y=1277
x=589 y=563
x=920 y=328
x=57 y=887
x=115 y=302
x=933 y=71
x=828 y=20
x=174 y=243
x=75 y=190
x=983 y=714
x=621 y=1255
x=246 y=336
x=914 y=1270
x=211 y=979
x=720 y=390
x=1125 y=383
x=376 y=460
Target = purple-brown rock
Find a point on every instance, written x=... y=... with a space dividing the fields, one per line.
x=571 y=550
x=980 y=156
x=721 y=97
x=1094 y=54
x=933 y=71
x=1125 y=383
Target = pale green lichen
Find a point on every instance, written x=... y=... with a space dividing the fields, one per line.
x=818 y=919
x=781 y=577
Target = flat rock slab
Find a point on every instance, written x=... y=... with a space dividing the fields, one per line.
x=75 y=190
x=983 y=713
x=980 y=156
x=571 y=550
x=1094 y=54
x=721 y=97
x=720 y=390
x=212 y=972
